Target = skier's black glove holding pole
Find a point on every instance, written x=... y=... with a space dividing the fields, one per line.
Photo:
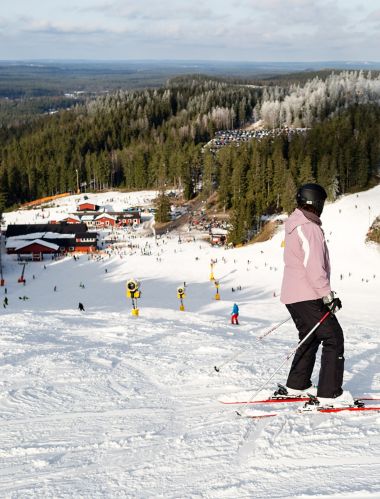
x=332 y=303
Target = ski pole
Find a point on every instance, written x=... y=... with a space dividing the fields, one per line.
x=240 y=411
x=218 y=368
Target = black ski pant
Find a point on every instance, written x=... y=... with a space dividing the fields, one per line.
x=306 y=314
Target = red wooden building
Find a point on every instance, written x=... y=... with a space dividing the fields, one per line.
x=105 y=220
x=71 y=219
x=86 y=206
x=128 y=218
x=35 y=249
x=55 y=238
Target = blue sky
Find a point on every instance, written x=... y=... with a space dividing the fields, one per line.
x=235 y=30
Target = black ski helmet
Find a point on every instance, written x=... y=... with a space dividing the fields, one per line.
x=312 y=195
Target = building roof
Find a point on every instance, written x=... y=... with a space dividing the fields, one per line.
x=71 y=217
x=215 y=231
x=89 y=203
x=105 y=215
x=24 y=244
x=41 y=235
x=61 y=228
x=126 y=214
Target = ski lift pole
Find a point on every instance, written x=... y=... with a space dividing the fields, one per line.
x=21 y=279
x=259 y=338
x=240 y=411
x=2 y=282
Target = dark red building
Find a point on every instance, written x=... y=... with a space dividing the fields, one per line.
x=66 y=237
x=36 y=249
x=87 y=207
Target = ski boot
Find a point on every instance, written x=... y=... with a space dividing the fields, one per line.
x=286 y=392
x=343 y=401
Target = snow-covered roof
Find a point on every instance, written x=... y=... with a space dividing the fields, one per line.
x=24 y=237
x=104 y=215
x=72 y=217
x=87 y=201
x=215 y=231
x=23 y=244
x=11 y=241
x=87 y=218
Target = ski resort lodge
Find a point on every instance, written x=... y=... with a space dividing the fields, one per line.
x=34 y=241
x=95 y=216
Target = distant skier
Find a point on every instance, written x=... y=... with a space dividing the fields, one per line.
x=81 y=307
x=235 y=314
x=307 y=294
x=5 y=302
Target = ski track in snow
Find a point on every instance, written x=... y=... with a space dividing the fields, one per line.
x=103 y=404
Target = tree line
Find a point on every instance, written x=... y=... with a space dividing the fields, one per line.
x=260 y=177
x=129 y=139
x=155 y=138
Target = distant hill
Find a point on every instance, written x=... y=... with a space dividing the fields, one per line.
x=55 y=78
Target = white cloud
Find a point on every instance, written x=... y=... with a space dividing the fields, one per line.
x=64 y=28
x=238 y=29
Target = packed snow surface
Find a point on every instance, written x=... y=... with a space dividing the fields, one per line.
x=105 y=404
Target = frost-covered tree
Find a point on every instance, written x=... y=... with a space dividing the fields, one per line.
x=302 y=106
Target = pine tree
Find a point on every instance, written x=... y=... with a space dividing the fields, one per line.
x=238 y=231
x=288 y=198
x=306 y=173
x=208 y=173
x=226 y=159
x=362 y=169
x=162 y=205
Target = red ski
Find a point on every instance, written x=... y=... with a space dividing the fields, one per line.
x=275 y=400
x=358 y=407
x=353 y=409
x=279 y=400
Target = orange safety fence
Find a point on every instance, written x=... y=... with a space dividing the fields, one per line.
x=44 y=200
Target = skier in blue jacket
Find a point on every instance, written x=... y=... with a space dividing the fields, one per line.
x=235 y=314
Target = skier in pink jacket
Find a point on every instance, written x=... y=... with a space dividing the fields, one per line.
x=307 y=294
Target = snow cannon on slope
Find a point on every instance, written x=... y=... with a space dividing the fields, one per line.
x=217 y=295
x=181 y=295
x=133 y=292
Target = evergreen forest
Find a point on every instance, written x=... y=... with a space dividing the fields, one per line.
x=157 y=138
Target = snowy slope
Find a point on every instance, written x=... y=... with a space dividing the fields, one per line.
x=103 y=404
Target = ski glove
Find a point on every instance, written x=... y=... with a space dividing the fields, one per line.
x=333 y=303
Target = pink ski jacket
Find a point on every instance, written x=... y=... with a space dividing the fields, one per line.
x=306 y=258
